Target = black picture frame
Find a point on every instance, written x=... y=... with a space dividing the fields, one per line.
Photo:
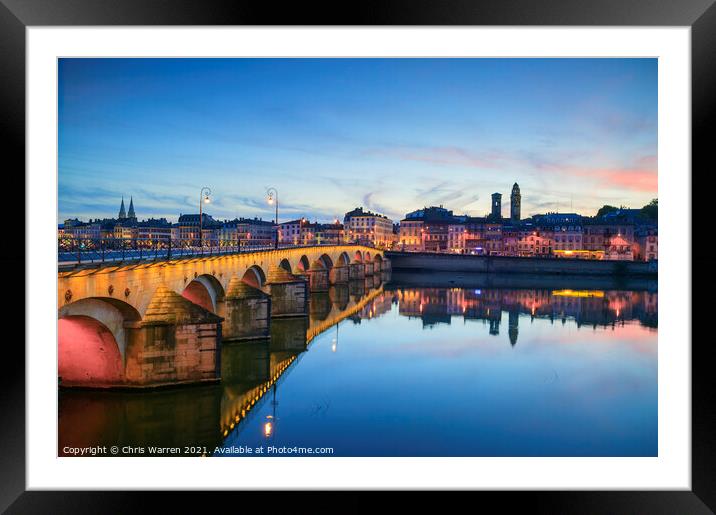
x=700 y=15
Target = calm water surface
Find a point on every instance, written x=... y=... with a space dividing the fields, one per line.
x=397 y=370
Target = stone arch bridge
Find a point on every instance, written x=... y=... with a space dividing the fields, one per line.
x=162 y=322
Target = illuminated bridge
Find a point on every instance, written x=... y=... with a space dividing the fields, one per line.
x=151 y=323
x=251 y=374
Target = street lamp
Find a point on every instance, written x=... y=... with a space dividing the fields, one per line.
x=203 y=199
x=272 y=198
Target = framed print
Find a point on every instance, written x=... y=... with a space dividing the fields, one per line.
x=416 y=249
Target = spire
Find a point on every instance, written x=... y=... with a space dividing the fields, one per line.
x=131 y=209
x=122 y=213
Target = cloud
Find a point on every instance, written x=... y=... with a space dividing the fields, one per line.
x=450 y=155
x=370 y=203
x=455 y=195
x=641 y=176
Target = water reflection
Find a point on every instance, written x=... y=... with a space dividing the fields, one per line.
x=585 y=307
x=248 y=406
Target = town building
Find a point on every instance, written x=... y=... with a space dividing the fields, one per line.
x=247 y=231
x=189 y=225
x=154 y=230
x=598 y=235
x=429 y=229
x=534 y=242
x=125 y=232
x=567 y=236
x=88 y=230
x=411 y=235
x=474 y=235
x=303 y=232
x=619 y=249
x=456 y=238
x=368 y=228
x=290 y=232
x=646 y=243
x=511 y=234
x=330 y=234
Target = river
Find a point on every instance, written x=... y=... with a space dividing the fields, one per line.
x=396 y=368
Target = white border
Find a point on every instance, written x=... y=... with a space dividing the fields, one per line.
x=670 y=470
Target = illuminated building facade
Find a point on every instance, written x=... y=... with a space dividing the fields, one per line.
x=366 y=227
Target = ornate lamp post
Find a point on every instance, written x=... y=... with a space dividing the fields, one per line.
x=203 y=199
x=272 y=198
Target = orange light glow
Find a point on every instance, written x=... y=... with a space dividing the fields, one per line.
x=578 y=293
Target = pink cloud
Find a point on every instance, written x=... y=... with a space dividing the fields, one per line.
x=638 y=180
x=641 y=176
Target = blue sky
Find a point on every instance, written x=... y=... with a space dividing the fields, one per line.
x=391 y=135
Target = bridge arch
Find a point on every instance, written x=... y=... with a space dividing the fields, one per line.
x=87 y=353
x=254 y=276
x=303 y=264
x=111 y=313
x=367 y=257
x=205 y=291
x=343 y=259
x=327 y=261
x=92 y=341
x=286 y=265
x=377 y=258
x=358 y=257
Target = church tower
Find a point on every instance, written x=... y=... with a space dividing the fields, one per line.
x=122 y=213
x=131 y=209
x=515 y=203
x=496 y=206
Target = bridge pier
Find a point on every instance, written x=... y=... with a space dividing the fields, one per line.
x=289 y=293
x=177 y=342
x=339 y=274
x=318 y=278
x=369 y=268
x=356 y=271
x=246 y=311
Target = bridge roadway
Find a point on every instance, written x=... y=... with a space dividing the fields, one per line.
x=149 y=323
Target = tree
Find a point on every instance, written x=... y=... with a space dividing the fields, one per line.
x=606 y=209
x=651 y=210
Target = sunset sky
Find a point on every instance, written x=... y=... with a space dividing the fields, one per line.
x=392 y=135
